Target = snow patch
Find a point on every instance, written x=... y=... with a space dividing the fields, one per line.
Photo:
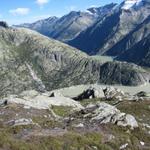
x=131 y=3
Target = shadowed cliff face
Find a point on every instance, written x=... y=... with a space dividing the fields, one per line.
x=105 y=34
x=29 y=60
x=136 y=46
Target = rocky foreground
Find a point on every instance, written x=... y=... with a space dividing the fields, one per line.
x=96 y=119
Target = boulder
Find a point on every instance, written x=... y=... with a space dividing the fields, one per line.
x=3 y=102
x=89 y=94
x=113 y=93
x=142 y=94
x=128 y=120
x=20 y=122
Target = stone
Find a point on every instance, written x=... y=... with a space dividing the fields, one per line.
x=40 y=101
x=105 y=113
x=123 y=146
x=111 y=93
x=19 y=122
x=90 y=93
x=55 y=94
x=80 y=125
x=128 y=120
x=87 y=94
x=3 y=102
x=142 y=94
x=142 y=143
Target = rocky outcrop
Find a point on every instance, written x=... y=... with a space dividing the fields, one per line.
x=113 y=93
x=33 y=99
x=90 y=94
x=104 y=113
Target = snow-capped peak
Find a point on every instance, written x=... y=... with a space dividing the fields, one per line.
x=131 y=3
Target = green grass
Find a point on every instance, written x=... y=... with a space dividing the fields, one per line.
x=85 y=102
x=73 y=140
x=125 y=135
x=8 y=142
x=69 y=141
x=62 y=111
x=141 y=110
x=46 y=122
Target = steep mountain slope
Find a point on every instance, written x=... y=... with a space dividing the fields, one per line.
x=139 y=53
x=69 y=26
x=64 y=28
x=44 y=26
x=135 y=47
x=29 y=60
x=103 y=10
x=138 y=34
x=104 y=34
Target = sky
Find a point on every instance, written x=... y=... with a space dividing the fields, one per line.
x=27 y=11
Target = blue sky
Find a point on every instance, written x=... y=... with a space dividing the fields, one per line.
x=21 y=11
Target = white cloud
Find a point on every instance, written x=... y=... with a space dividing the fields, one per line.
x=42 y=2
x=20 y=11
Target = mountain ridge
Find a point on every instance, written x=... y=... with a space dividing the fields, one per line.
x=117 y=25
x=30 y=60
x=70 y=25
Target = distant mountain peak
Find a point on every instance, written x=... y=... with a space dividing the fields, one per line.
x=102 y=9
x=128 y=4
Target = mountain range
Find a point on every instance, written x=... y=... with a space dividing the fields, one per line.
x=120 y=31
x=114 y=30
x=69 y=26
x=29 y=60
x=81 y=81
